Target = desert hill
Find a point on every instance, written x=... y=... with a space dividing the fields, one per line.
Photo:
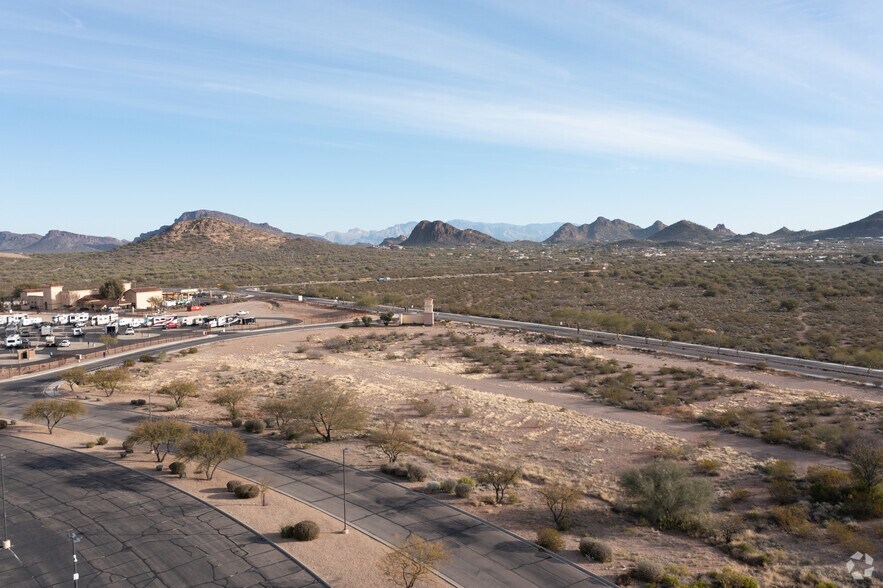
x=17 y=241
x=870 y=226
x=603 y=230
x=441 y=234
x=215 y=214
x=56 y=242
x=684 y=230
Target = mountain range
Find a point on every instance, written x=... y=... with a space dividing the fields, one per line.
x=439 y=233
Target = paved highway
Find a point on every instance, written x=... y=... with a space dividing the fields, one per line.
x=482 y=554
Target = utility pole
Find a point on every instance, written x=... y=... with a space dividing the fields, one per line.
x=7 y=544
x=345 y=528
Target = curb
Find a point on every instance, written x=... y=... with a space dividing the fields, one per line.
x=197 y=498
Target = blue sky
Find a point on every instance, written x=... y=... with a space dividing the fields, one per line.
x=116 y=115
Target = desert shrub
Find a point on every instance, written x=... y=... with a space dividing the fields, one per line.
x=233 y=484
x=287 y=531
x=784 y=491
x=865 y=504
x=826 y=484
x=254 y=426
x=550 y=539
x=463 y=490
x=647 y=571
x=736 y=496
x=432 y=487
x=842 y=534
x=247 y=491
x=467 y=480
x=665 y=493
x=178 y=468
x=146 y=358
x=708 y=467
x=192 y=350
x=416 y=473
x=748 y=553
x=3 y=424
x=89 y=444
x=101 y=440
x=424 y=407
x=138 y=402
x=170 y=407
x=595 y=550
x=306 y=531
x=448 y=486
x=792 y=518
x=729 y=578
x=129 y=363
x=235 y=423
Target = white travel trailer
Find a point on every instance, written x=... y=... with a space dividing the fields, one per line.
x=103 y=319
x=191 y=321
x=78 y=317
x=61 y=319
x=45 y=330
x=13 y=341
x=31 y=320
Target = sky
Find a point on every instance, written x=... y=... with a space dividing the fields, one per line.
x=118 y=115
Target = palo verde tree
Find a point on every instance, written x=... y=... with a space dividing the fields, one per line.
x=75 y=377
x=52 y=411
x=231 y=398
x=179 y=390
x=160 y=435
x=666 y=493
x=392 y=438
x=560 y=498
x=109 y=381
x=155 y=302
x=210 y=449
x=413 y=560
x=500 y=477
x=328 y=408
x=283 y=411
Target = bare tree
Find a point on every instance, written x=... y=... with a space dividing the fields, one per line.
x=413 y=560
x=329 y=409
x=560 y=498
x=109 y=381
x=179 y=390
x=160 y=435
x=500 y=476
x=210 y=449
x=231 y=398
x=52 y=411
x=392 y=439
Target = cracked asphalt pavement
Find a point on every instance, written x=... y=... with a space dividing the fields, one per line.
x=135 y=531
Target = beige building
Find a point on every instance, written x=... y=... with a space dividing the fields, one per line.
x=427 y=317
x=54 y=297
x=139 y=297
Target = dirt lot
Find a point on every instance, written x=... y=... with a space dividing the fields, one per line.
x=557 y=435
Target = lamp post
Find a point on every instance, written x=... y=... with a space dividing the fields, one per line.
x=7 y=544
x=345 y=527
x=74 y=540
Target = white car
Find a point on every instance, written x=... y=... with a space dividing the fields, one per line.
x=241 y=312
x=130 y=331
x=64 y=343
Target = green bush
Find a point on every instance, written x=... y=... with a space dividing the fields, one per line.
x=448 y=486
x=665 y=493
x=306 y=531
x=828 y=485
x=129 y=363
x=101 y=440
x=235 y=423
x=146 y=358
x=287 y=531
x=246 y=491
x=784 y=491
x=647 y=571
x=3 y=424
x=254 y=426
x=233 y=484
x=595 y=550
x=729 y=578
x=179 y=468
x=550 y=539
x=432 y=487
x=138 y=402
x=463 y=490
x=89 y=444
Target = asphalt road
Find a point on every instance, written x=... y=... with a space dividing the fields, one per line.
x=482 y=554
x=135 y=531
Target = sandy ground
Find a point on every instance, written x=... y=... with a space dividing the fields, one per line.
x=556 y=435
x=341 y=560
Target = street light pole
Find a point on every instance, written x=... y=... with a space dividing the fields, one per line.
x=74 y=540
x=345 y=528
x=7 y=544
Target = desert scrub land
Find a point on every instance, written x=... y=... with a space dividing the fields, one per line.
x=817 y=301
x=782 y=524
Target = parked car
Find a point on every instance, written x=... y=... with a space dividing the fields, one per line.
x=241 y=312
x=77 y=332
x=64 y=343
x=171 y=325
x=130 y=331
